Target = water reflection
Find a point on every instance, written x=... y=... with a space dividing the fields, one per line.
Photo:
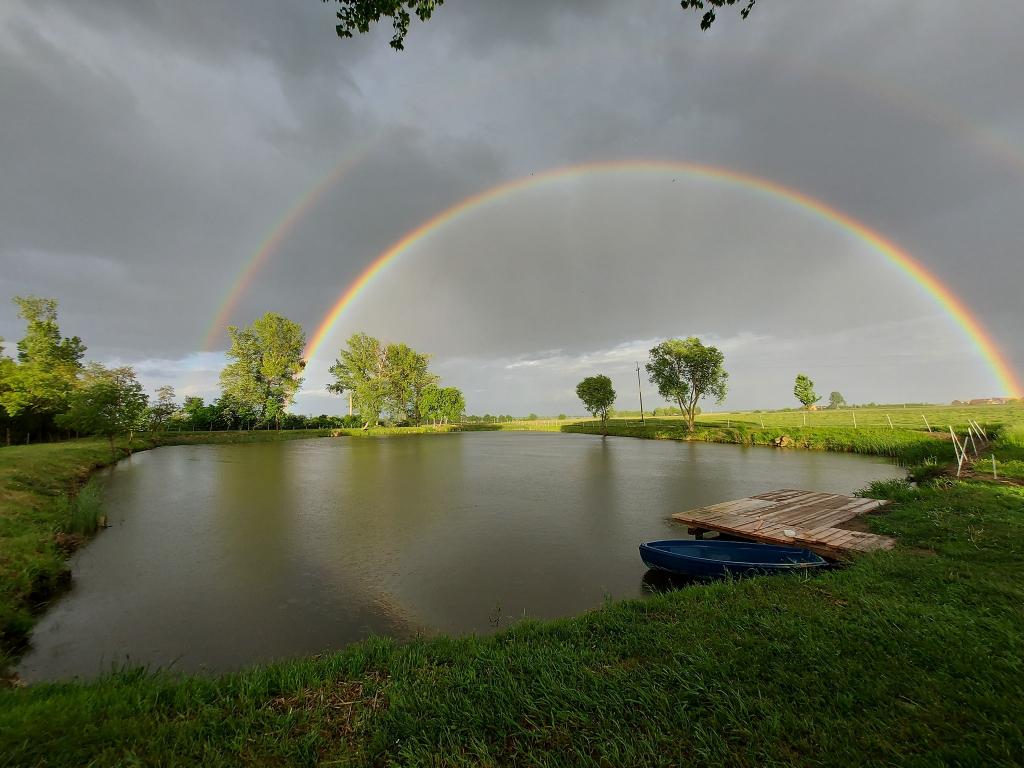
x=229 y=554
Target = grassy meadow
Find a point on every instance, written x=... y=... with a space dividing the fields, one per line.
x=915 y=417
x=905 y=657
x=912 y=656
x=910 y=417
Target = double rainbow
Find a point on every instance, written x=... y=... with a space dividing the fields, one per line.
x=941 y=293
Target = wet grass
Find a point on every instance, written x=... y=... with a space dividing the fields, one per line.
x=916 y=417
x=1012 y=437
x=84 y=510
x=906 y=446
x=906 y=657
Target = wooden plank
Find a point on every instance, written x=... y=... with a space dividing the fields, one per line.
x=808 y=503
x=783 y=495
x=811 y=516
x=833 y=518
x=802 y=514
x=833 y=536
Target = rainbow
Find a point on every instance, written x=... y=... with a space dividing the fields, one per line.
x=281 y=229
x=953 y=306
x=994 y=145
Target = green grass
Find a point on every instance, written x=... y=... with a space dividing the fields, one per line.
x=907 y=657
x=939 y=417
x=907 y=446
x=910 y=417
x=1012 y=436
x=84 y=510
x=399 y=431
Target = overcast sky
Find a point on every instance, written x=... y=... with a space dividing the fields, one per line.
x=149 y=148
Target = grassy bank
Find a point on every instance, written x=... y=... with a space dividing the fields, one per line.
x=918 y=417
x=904 y=445
x=910 y=655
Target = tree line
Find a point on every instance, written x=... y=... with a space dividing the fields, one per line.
x=393 y=382
x=47 y=392
x=685 y=371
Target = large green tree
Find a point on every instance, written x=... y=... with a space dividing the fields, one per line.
x=430 y=403
x=381 y=378
x=6 y=373
x=357 y=16
x=452 y=405
x=266 y=363
x=442 y=405
x=360 y=370
x=164 y=408
x=836 y=400
x=407 y=372
x=598 y=396
x=38 y=384
x=107 y=401
x=686 y=371
x=803 y=390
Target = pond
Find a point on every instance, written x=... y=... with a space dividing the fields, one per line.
x=220 y=556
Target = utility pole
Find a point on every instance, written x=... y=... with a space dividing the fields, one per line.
x=641 y=393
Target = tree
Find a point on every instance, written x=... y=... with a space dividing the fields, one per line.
x=686 y=371
x=266 y=362
x=6 y=374
x=108 y=402
x=803 y=390
x=359 y=15
x=37 y=386
x=452 y=405
x=430 y=403
x=230 y=411
x=836 y=400
x=384 y=378
x=407 y=374
x=164 y=408
x=360 y=369
x=197 y=415
x=598 y=396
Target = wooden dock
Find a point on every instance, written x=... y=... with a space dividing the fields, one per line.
x=798 y=518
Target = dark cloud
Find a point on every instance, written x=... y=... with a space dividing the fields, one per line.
x=150 y=148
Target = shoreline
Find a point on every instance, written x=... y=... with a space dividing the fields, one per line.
x=50 y=580
x=731 y=673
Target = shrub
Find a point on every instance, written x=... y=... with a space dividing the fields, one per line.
x=927 y=470
x=1012 y=437
x=83 y=512
x=893 y=489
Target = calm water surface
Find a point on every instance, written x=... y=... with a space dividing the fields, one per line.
x=223 y=555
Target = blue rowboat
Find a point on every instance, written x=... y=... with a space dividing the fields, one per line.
x=694 y=557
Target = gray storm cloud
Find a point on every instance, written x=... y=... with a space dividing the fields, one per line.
x=150 y=149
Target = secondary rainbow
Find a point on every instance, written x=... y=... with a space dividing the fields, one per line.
x=281 y=229
x=941 y=293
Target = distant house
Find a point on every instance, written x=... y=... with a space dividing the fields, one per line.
x=988 y=401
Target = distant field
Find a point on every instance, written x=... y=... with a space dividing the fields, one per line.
x=939 y=417
x=903 y=417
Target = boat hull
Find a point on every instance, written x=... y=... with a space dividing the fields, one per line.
x=718 y=558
